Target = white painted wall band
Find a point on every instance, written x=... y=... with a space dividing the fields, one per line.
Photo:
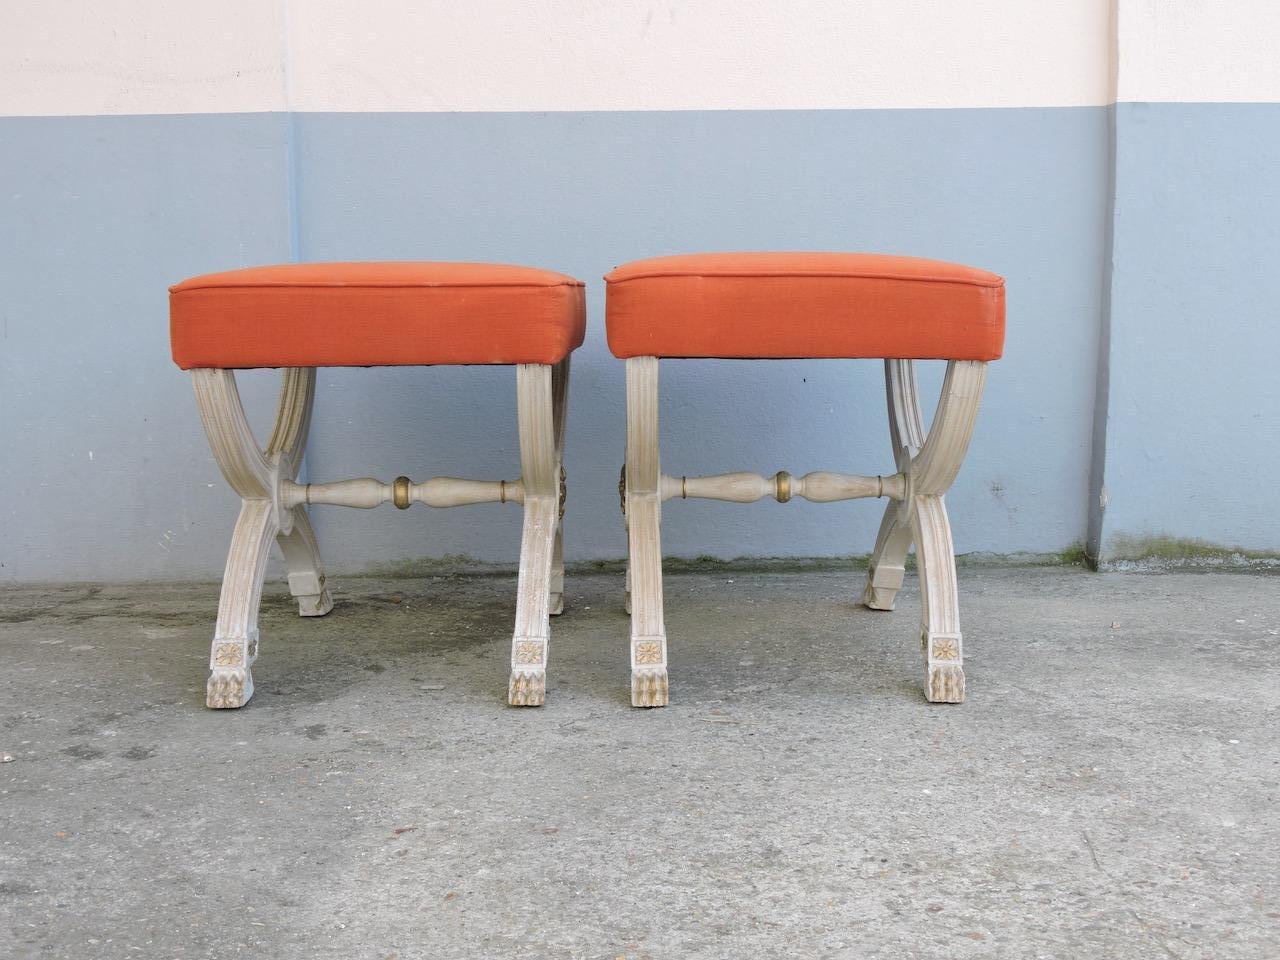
x=714 y=54
x=70 y=57
x=1198 y=51
x=67 y=57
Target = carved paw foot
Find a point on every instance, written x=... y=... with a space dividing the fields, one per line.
x=945 y=683
x=649 y=687
x=557 y=604
x=528 y=688
x=229 y=688
x=315 y=605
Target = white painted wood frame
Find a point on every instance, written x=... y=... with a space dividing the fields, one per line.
x=541 y=393
x=916 y=513
x=274 y=507
x=642 y=503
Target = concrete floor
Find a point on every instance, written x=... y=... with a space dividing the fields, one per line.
x=1109 y=791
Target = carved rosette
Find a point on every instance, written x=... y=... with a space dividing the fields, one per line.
x=228 y=654
x=528 y=652
x=648 y=652
x=946 y=648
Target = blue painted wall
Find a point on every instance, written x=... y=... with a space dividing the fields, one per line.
x=1015 y=191
x=1193 y=426
x=109 y=475
x=106 y=474
x=113 y=209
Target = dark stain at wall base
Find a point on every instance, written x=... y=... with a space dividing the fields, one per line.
x=1151 y=553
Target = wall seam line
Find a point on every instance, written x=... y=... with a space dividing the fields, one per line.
x=290 y=135
x=1097 y=506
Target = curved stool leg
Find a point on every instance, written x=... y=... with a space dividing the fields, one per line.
x=887 y=568
x=559 y=410
x=540 y=477
x=644 y=516
x=235 y=639
x=888 y=560
x=255 y=476
x=288 y=443
x=931 y=474
x=940 y=638
x=302 y=560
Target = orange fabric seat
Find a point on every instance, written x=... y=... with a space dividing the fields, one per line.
x=778 y=305
x=375 y=314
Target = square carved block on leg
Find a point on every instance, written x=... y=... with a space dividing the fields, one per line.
x=944 y=669
x=230 y=683
x=649 y=686
x=528 y=684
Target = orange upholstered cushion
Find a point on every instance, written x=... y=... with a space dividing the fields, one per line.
x=804 y=305
x=375 y=314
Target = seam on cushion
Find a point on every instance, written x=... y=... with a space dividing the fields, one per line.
x=370 y=286
x=998 y=282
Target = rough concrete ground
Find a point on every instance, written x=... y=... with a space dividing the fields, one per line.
x=1109 y=790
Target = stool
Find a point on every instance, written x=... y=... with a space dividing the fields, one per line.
x=303 y=316
x=810 y=305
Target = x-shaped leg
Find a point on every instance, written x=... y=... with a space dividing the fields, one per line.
x=930 y=466
x=255 y=475
x=541 y=395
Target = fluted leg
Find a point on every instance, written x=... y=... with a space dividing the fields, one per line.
x=649 y=686
x=930 y=466
x=906 y=435
x=256 y=476
x=287 y=445
x=887 y=568
x=302 y=560
x=540 y=475
x=235 y=638
x=940 y=638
